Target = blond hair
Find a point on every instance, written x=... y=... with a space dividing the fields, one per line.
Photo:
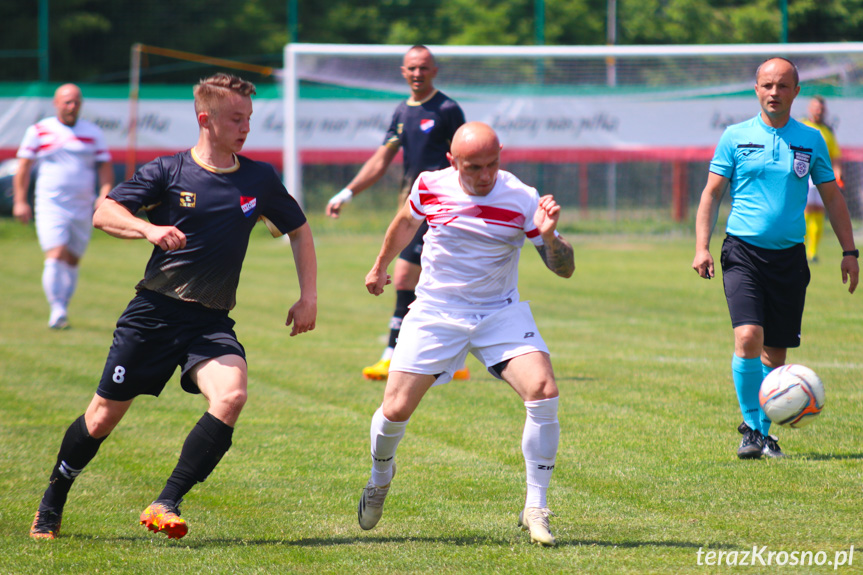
x=210 y=91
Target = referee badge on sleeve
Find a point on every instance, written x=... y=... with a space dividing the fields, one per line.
x=801 y=163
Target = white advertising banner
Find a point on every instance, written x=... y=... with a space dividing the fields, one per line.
x=331 y=130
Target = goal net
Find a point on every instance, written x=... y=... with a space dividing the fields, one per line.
x=615 y=132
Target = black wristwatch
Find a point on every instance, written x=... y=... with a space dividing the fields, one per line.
x=855 y=253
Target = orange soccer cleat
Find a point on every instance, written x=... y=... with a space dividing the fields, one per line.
x=46 y=525
x=164 y=517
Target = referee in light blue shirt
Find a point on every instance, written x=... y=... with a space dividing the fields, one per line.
x=768 y=161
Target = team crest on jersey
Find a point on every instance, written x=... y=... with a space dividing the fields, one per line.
x=426 y=125
x=248 y=204
x=801 y=163
x=187 y=199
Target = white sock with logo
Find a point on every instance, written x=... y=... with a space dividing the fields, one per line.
x=385 y=436
x=539 y=446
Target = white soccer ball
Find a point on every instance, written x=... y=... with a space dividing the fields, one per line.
x=792 y=395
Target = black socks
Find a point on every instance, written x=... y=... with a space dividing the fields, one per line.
x=76 y=451
x=404 y=298
x=208 y=441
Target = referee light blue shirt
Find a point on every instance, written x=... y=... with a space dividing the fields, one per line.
x=769 y=171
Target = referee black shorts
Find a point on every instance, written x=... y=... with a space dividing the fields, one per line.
x=154 y=336
x=413 y=253
x=767 y=288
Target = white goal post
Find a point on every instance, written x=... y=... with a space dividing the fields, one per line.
x=606 y=128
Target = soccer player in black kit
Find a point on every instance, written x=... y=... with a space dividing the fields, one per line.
x=202 y=205
x=423 y=126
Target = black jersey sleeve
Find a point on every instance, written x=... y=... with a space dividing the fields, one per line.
x=393 y=137
x=454 y=116
x=282 y=214
x=144 y=190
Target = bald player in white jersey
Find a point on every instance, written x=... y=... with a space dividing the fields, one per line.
x=467 y=301
x=70 y=154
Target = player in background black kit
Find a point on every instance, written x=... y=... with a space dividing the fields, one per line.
x=423 y=127
x=202 y=205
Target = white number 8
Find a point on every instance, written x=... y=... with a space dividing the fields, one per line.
x=119 y=374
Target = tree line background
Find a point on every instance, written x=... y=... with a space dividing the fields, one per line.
x=90 y=40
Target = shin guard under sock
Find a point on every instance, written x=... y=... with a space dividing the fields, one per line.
x=385 y=436
x=76 y=451
x=765 y=421
x=52 y=283
x=747 y=373
x=539 y=445
x=208 y=441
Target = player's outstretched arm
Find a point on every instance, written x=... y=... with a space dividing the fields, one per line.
x=705 y=219
x=399 y=234
x=840 y=220
x=372 y=171
x=303 y=314
x=556 y=252
x=115 y=219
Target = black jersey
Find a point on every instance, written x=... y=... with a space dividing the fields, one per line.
x=216 y=209
x=424 y=130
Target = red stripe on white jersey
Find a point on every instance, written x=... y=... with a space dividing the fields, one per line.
x=429 y=199
x=449 y=209
x=489 y=213
x=416 y=211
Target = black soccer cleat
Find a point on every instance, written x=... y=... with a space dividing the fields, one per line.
x=771 y=447
x=752 y=444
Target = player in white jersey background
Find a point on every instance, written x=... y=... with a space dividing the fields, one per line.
x=467 y=301
x=70 y=154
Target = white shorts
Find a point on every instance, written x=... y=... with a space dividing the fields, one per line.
x=60 y=226
x=434 y=342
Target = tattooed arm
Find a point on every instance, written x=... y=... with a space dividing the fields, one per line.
x=556 y=252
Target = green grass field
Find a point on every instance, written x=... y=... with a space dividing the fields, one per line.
x=646 y=474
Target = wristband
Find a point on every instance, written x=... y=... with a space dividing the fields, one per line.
x=342 y=197
x=855 y=253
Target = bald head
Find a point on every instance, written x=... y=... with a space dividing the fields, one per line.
x=475 y=154
x=67 y=102
x=474 y=138
x=778 y=65
x=776 y=85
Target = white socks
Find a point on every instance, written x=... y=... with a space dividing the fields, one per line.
x=59 y=280
x=539 y=446
x=385 y=436
x=71 y=281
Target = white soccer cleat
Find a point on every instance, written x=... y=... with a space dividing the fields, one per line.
x=58 y=318
x=535 y=520
x=371 y=505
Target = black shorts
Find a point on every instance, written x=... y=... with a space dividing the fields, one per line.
x=767 y=288
x=154 y=336
x=413 y=253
